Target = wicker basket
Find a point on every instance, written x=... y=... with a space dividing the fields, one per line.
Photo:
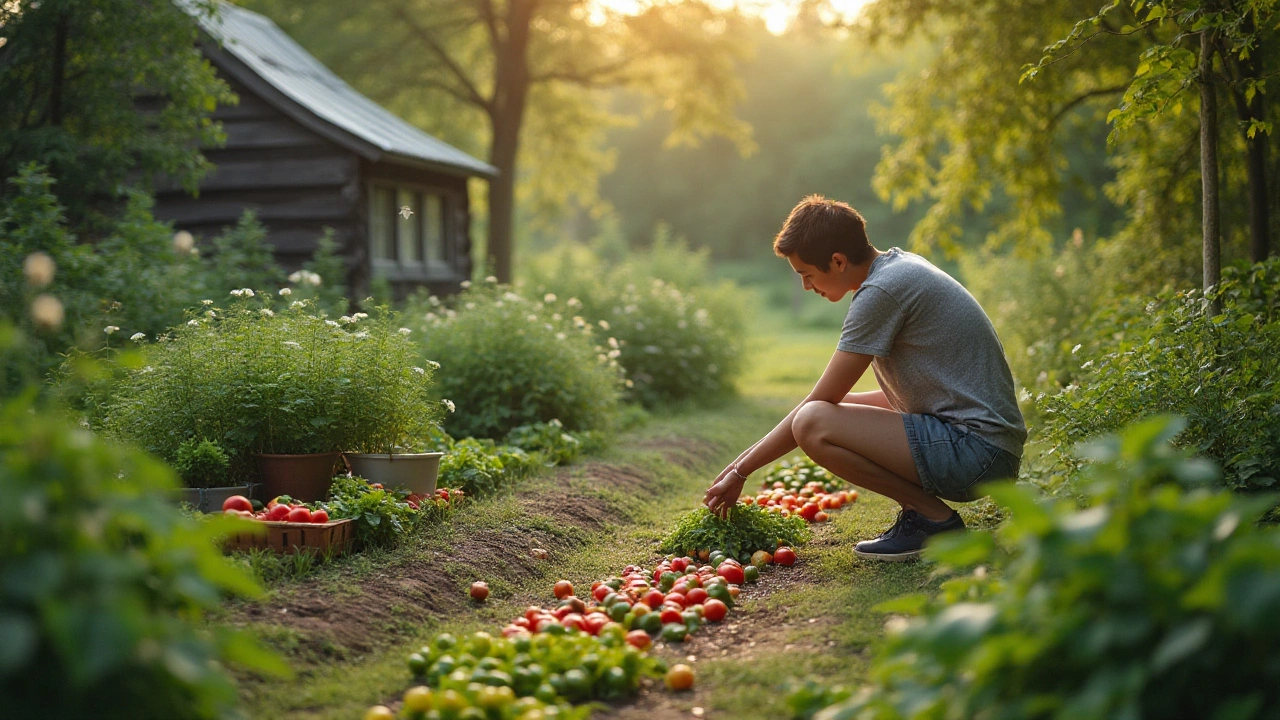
x=335 y=536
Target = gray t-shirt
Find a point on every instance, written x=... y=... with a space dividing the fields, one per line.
x=935 y=351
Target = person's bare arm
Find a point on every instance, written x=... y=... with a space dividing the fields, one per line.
x=843 y=371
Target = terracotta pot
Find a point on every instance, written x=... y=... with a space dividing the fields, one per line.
x=414 y=471
x=305 y=478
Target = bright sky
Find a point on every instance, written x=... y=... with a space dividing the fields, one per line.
x=777 y=14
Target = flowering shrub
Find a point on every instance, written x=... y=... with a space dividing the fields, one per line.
x=677 y=339
x=257 y=380
x=508 y=360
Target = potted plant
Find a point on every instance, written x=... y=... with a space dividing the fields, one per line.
x=205 y=471
x=283 y=391
x=395 y=424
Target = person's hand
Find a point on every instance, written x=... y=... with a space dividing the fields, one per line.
x=723 y=493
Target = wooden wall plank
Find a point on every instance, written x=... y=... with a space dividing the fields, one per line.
x=268 y=133
x=227 y=207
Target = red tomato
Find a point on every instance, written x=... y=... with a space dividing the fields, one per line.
x=299 y=515
x=561 y=612
x=696 y=596
x=237 y=502
x=522 y=622
x=320 y=516
x=785 y=556
x=748 y=500
x=677 y=598
x=671 y=615
x=592 y=622
x=513 y=630
x=563 y=589
x=601 y=591
x=679 y=564
x=714 y=611
x=732 y=574
x=572 y=621
x=639 y=639
x=809 y=511
x=821 y=517
x=479 y=591
x=532 y=612
x=654 y=599
x=546 y=623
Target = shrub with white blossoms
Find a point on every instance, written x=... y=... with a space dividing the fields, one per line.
x=511 y=361
x=288 y=380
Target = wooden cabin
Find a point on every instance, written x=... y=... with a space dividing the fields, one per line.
x=306 y=152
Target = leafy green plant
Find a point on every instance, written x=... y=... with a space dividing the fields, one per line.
x=548 y=440
x=1222 y=373
x=381 y=518
x=509 y=360
x=1157 y=598
x=481 y=467
x=807 y=699
x=202 y=464
x=258 y=380
x=747 y=529
x=105 y=583
x=678 y=336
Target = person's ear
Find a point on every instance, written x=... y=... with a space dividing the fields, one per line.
x=839 y=261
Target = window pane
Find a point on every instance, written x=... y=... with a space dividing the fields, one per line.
x=407 y=228
x=433 y=222
x=381 y=232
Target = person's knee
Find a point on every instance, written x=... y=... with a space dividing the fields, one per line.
x=809 y=424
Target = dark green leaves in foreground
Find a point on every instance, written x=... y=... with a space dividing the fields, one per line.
x=748 y=528
x=1157 y=598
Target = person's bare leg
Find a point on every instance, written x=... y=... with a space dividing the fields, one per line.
x=867 y=446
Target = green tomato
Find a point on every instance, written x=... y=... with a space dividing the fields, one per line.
x=445 y=641
x=577 y=684
x=417 y=665
x=546 y=693
x=481 y=644
x=674 y=632
x=618 y=610
x=751 y=573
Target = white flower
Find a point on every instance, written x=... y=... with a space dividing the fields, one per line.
x=613 y=343
x=247 y=292
x=491 y=279
x=296 y=304
x=285 y=292
x=629 y=383
x=430 y=317
x=614 y=353
x=266 y=313
x=630 y=309
x=331 y=323
x=449 y=404
x=433 y=300
x=532 y=318
x=346 y=319
x=360 y=316
x=560 y=336
x=418 y=370
x=206 y=302
x=555 y=316
x=39 y=269
x=193 y=323
x=465 y=284
x=47 y=311
x=578 y=321
x=470 y=306
x=575 y=303
x=291 y=343
x=451 y=314
x=549 y=298
x=604 y=325
x=147 y=369
x=508 y=295
x=138 y=337
x=404 y=331
x=548 y=326
x=362 y=334
x=183 y=242
x=110 y=329
x=304 y=277
x=210 y=314
x=434 y=365
x=700 y=316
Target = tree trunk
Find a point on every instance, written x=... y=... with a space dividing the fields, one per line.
x=1209 y=170
x=511 y=91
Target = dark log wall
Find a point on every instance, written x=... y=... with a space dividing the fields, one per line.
x=297 y=182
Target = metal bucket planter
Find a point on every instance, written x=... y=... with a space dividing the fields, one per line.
x=209 y=500
x=305 y=478
x=415 y=472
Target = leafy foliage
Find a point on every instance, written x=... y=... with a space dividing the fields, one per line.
x=747 y=529
x=381 y=519
x=480 y=467
x=72 y=91
x=293 y=381
x=1222 y=373
x=202 y=464
x=104 y=583
x=549 y=441
x=678 y=335
x=508 y=360
x=1156 y=599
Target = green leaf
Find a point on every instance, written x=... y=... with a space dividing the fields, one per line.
x=1183 y=641
x=913 y=604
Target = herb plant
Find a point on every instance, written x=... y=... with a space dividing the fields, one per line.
x=747 y=529
x=202 y=464
x=381 y=519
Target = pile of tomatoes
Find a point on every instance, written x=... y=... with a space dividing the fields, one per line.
x=281 y=509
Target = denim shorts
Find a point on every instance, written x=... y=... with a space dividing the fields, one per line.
x=953 y=461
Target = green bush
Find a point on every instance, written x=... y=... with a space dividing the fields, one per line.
x=679 y=336
x=747 y=529
x=508 y=361
x=202 y=464
x=104 y=584
x=1157 y=599
x=550 y=442
x=256 y=380
x=1222 y=373
x=381 y=518
x=481 y=467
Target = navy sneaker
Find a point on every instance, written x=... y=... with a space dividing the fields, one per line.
x=906 y=538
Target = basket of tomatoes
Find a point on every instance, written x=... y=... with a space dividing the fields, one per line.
x=290 y=527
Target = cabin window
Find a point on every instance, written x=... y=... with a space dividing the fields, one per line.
x=409 y=231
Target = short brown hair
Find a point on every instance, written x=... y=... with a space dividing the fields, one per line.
x=817 y=228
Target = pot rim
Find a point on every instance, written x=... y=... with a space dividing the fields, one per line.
x=391 y=456
x=297 y=455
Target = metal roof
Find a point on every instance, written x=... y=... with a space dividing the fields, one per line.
x=365 y=126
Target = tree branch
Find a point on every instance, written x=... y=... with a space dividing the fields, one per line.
x=1053 y=122
x=595 y=77
x=491 y=23
x=472 y=95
